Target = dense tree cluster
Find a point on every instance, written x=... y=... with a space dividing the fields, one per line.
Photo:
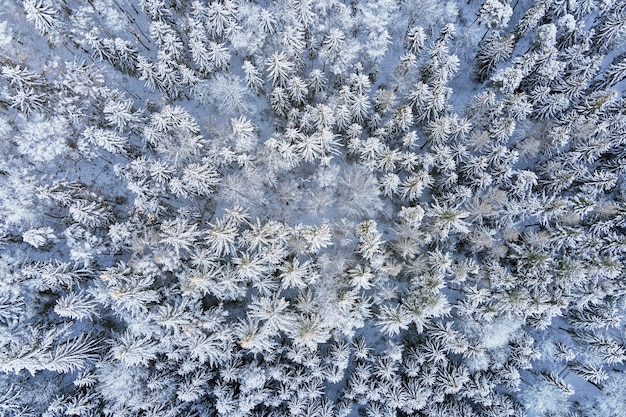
x=312 y=208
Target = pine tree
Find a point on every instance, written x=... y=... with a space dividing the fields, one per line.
x=88 y=213
x=221 y=18
x=133 y=350
x=200 y=179
x=309 y=331
x=120 y=112
x=77 y=306
x=317 y=81
x=267 y=21
x=44 y=16
x=52 y=275
x=147 y=72
x=119 y=52
x=52 y=349
x=370 y=244
x=106 y=139
x=393 y=319
x=413 y=186
x=39 y=237
x=415 y=38
x=358 y=193
x=445 y=219
x=253 y=77
x=298 y=91
x=310 y=147
x=179 y=234
x=610 y=30
x=21 y=78
x=359 y=105
x=615 y=73
x=279 y=100
x=280 y=69
x=198 y=41
x=332 y=44
x=318 y=237
x=218 y=56
x=28 y=101
x=494 y=14
x=492 y=52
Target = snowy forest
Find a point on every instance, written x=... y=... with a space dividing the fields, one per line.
x=313 y=208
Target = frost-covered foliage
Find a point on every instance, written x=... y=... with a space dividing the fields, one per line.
x=312 y=208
